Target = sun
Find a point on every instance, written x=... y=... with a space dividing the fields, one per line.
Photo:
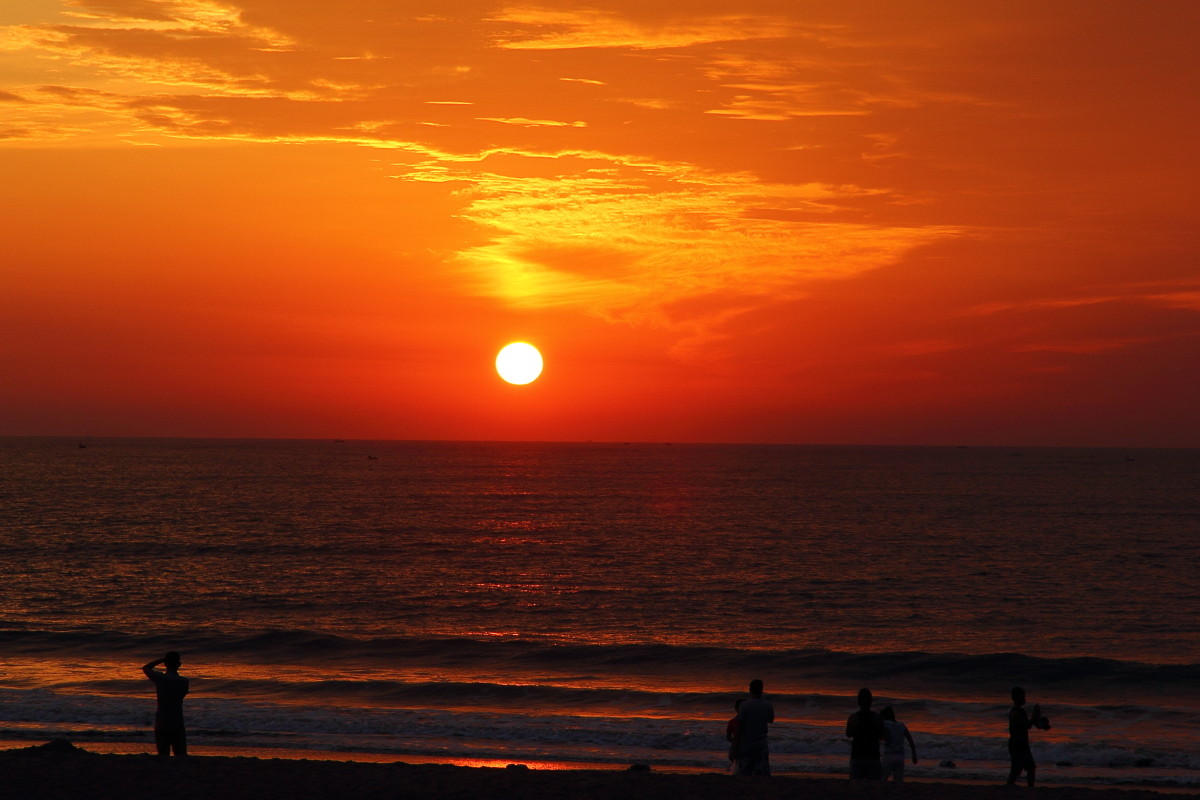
x=519 y=363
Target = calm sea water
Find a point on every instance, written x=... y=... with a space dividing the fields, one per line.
x=607 y=603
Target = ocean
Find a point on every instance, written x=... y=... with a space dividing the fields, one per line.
x=605 y=604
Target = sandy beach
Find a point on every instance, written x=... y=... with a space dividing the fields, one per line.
x=58 y=770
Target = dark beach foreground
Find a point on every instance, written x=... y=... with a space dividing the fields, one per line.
x=60 y=770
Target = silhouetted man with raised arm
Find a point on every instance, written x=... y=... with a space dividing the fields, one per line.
x=171 y=688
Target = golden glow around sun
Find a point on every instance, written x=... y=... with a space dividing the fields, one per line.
x=519 y=363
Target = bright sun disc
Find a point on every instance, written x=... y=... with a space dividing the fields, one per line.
x=519 y=363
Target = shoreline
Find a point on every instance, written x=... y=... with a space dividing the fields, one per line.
x=59 y=768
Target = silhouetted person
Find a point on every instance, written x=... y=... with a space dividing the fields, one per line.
x=750 y=740
x=893 y=746
x=1019 y=724
x=731 y=731
x=865 y=731
x=171 y=688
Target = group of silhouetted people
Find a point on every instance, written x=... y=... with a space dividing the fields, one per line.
x=747 y=733
x=876 y=739
x=867 y=732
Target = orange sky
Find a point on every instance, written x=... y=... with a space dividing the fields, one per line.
x=826 y=222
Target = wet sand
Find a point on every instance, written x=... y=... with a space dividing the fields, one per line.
x=58 y=770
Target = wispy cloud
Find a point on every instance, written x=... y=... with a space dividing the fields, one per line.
x=635 y=241
x=535 y=123
x=548 y=28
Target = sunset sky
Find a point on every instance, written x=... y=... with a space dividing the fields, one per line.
x=757 y=221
